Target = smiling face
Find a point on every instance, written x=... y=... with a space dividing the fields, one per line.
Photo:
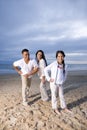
x=39 y=55
x=25 y=55
x=60 y=58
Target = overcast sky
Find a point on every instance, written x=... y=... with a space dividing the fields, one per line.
x=42 y=24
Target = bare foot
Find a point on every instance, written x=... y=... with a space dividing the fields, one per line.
x=57 y=112
x=67 y=110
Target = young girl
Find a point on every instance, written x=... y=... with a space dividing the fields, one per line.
x=57 y=78
x=40 y=58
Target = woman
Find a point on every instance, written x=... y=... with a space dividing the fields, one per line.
x=56 y=79
x=40 y=58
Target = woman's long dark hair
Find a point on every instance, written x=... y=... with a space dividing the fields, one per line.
x=62 y=52
x=43 y=56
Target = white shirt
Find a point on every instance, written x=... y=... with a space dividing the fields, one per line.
x=25 y=68
x=42 y=65
x=56 y=73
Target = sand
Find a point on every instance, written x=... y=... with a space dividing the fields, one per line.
x=39 y=115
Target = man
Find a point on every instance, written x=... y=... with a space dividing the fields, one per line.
x=26 y=68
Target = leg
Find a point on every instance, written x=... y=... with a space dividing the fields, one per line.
x=62 y=100
x=28 y=87
x=61 y=96
x=53 y=88
x=25 y=88
x=44 y=95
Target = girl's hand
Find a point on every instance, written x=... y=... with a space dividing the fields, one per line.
x=51 y=80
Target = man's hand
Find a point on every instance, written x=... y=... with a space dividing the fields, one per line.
x=26 y=75
x=19 y=72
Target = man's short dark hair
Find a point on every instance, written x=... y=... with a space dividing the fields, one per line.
x=24 y=50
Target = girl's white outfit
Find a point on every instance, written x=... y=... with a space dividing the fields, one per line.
x=44 y=95
x=55 y=71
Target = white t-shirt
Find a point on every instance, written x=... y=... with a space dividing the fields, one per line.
x=25 y=68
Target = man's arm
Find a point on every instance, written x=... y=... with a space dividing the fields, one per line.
x=18 y=70
x=16 y=65
x=34 y=70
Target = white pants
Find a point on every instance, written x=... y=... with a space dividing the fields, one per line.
x=26 y=82
x=54 y=91
x=44 y=95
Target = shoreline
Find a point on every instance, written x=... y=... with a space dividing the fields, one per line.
x=71 y=72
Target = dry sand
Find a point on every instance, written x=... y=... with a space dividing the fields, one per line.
x=39 y=115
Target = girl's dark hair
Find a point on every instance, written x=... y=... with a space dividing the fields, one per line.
x=62 y=52
x=43 y=56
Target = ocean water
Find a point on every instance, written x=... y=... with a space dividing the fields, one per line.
x=75 y=61
x=6 y=67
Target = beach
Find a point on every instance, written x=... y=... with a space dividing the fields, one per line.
x=38 y=115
